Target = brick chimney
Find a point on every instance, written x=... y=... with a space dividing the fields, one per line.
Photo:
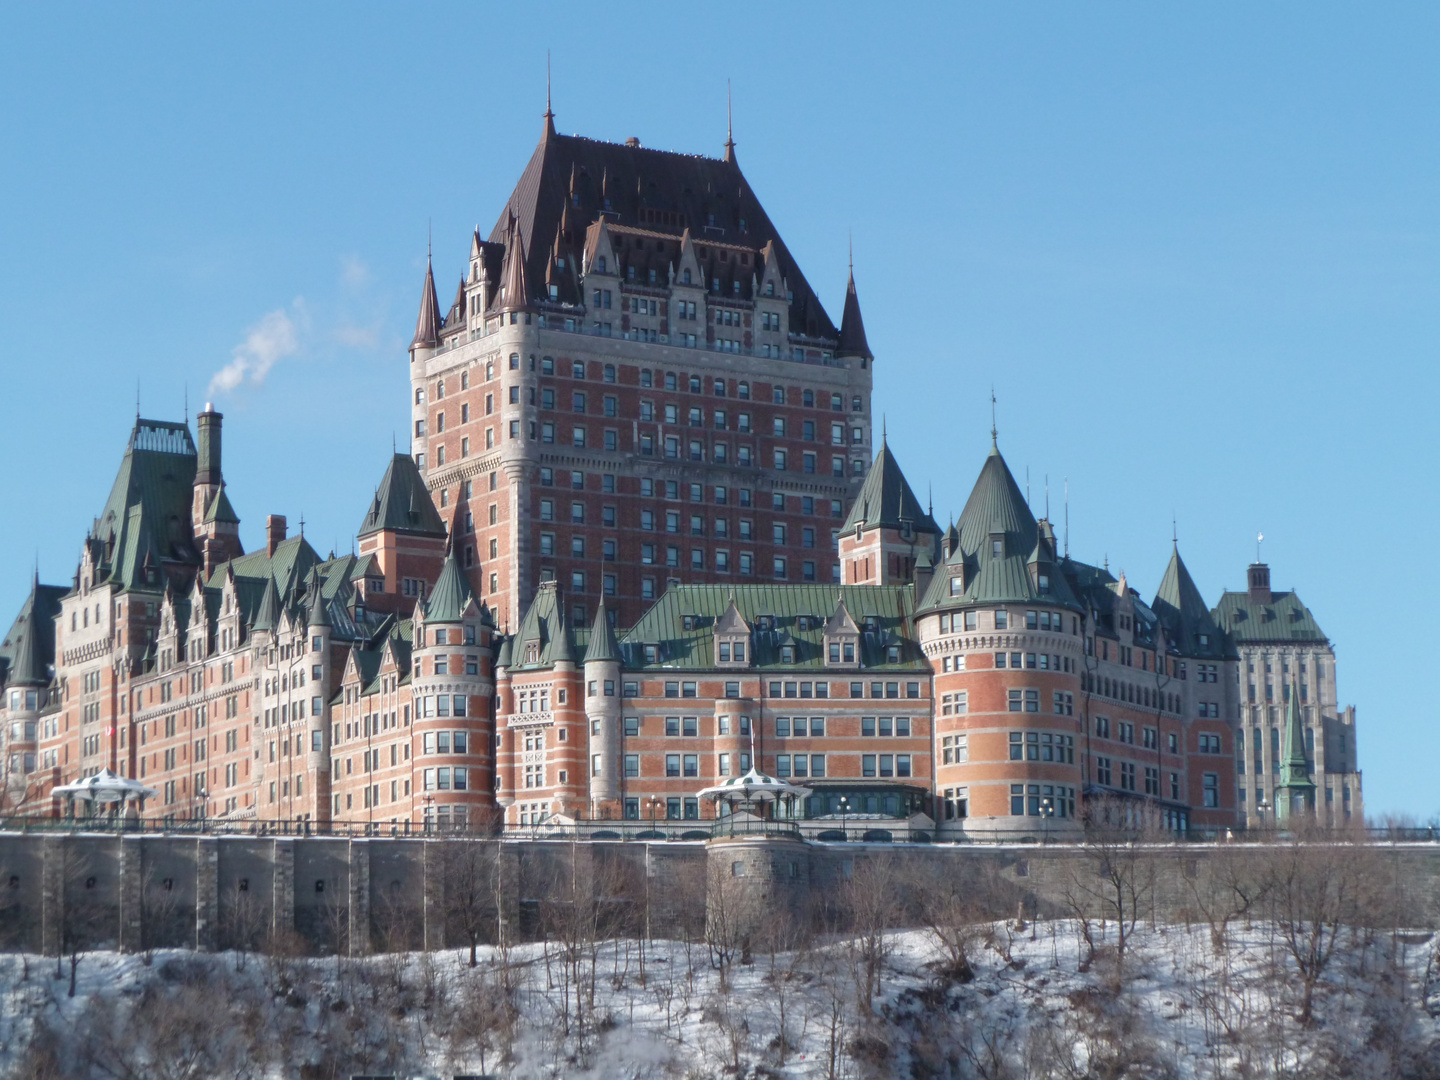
x=274 y=532
x=1259 y=579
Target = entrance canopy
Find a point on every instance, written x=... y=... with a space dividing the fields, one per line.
x=753 y=787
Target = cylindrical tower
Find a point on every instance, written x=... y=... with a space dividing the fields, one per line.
x=602 y=710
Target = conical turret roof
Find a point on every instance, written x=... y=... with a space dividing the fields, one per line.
x=852 y=326
x=996 y=506
x=452 y=593
x=318 y=614
x=427 y=326
x=220 y=509
x=402 y=502
x=28 y=650
x=603 y=646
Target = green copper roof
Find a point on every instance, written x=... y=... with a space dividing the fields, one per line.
x=603 y=646
x=691 y=646
x=451 y=594
x=269 y=612
x=995 y=507
x=402 y=502
x=543 y=637
x=220 y=509
x=885 y=499
x=1285 y=618
x=1186 y=617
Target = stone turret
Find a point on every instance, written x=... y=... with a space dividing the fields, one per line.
x=602 y=710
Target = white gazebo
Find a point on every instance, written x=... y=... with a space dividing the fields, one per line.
x=105 y=788
x=749 y=793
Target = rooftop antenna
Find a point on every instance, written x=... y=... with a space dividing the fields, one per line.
x=931 y=486
x=882 y=427
x=548 y=112
x=1067 y=517
x=1174 y=530
x=302 y=524
x=137 y=399
x=187 y=401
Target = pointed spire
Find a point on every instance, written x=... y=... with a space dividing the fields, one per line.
x=603 y=646
x=427 y=326
x=994 y=428
x=549 y=113
x=852 y=326
x=516 y=289
x=729 y=127
x=1295 y=770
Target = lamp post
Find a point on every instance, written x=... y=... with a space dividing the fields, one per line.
x=844 y=811
x=654 y=803
x=429 y=812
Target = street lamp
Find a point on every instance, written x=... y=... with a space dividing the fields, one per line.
x=844 y=810
x=1047 y=811
x=429 y=812
x=654 y=803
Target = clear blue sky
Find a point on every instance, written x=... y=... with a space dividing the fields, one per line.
x=1194 y=248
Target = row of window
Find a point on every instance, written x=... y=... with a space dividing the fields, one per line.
x=1041 y=800
x=1032 y=661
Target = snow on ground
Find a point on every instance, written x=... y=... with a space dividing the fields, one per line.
x=1032 y=1007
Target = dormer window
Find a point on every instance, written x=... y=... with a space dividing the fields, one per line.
x=787 y=654
x=957 y=585
x=905 y=530
x=892 y=654
x=997 y=547
x=651 y=654
x=1044 y=583
x=600 y=262
x=1204 y=639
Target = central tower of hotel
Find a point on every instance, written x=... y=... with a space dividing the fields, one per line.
x=635 y=384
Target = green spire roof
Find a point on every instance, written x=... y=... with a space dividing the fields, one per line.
x=450 y=595
x=885 y=499
x=220 y=509
x=561 y=648
x=1294 y=770
x=603 y=646
x=319 y=613
x=152 y=491
x=1185 y=615
x=402 y=503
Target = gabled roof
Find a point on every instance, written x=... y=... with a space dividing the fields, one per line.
x=1285 y=618
x=840 y=621
x=566 y=185
x=1185 y=615
x=27 y=653
x=402 y=503
x=544 y=627
x=852 y=326
x=886 y=500
x=427 y=326
x=603 y=646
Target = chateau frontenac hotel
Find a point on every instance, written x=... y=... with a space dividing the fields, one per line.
x=644 y=544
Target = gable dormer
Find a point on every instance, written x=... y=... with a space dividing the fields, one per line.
x=842 y=638
x=688 y=274
x=732 y=639
x=600 y=258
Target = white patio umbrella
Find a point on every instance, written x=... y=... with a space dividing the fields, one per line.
x=105 y=787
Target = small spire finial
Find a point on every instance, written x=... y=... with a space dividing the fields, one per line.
x=187 y=401
x=1174 y=531
x=429 y=240
x=882 y=427
x=1047 y=496
x=994 y=428
x=1067 y=517
x=137 y=399
x=548 y=111
x=302 y=524
x=852 y=254
x=931 y=486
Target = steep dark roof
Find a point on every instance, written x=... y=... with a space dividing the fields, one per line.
x=1185 y=615
x=268 y=615
x=852 y=326
x=402 y=502
x=569 y=180
x=28 y=650
x=427 y=326
x=146 y=520
x=886 y=500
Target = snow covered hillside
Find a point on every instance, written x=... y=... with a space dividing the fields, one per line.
x=1058 y=999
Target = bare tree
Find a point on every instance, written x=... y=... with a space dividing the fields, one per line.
x=469 y=869
x=871 y=903
x=1114 y=883
x=1317 y=888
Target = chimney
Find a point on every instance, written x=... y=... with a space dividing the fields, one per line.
x=1259 y=580
x=274 y=532
x=207 y=469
